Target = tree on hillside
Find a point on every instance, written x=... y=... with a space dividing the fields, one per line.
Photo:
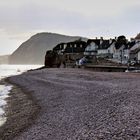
x=122 y=39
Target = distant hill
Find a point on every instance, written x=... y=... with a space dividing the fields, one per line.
x=33 y=50
x=4 y=59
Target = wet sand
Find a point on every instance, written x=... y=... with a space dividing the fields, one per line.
x=21 y=111
x=73 y=104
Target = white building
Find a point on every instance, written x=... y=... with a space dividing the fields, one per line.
x=92 y=47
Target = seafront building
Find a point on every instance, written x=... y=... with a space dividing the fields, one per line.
x=118 y=49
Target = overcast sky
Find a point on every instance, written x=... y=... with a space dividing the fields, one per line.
x=20 y=19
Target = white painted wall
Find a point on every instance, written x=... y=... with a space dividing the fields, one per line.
x=102 y=51
x=137 y=45
x=112 y=48
x=139 y=56
x=119 y=53
x=91 y=47
x=126 y=53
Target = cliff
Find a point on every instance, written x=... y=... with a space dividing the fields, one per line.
x=33 y=50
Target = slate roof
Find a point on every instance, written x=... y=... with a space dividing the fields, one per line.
x=59 y=47
x=81 y=45
x=118 y=45
x=105 y=44
x=96 y=41
x=135 y=51
x=131 y=44
x=113 y=40
x=138 y=36
x=70 y=47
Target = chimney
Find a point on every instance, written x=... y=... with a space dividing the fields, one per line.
x=101 y=40
x=115 y=38
x=96 y=37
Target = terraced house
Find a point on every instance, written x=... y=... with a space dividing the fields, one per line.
x=118 y=49
x=72 y=50
x=100 y=48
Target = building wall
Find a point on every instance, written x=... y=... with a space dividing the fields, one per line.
x=118 y=54
x=112 y=48
x=138 y=56
x=126 y=54
x=132 y=56
x=91 y=47
x=90 y=53
x=102 y=51
x=137 y=45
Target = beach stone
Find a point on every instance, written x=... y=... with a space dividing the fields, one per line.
x=78 y=104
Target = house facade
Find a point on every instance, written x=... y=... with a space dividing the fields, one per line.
x=71 y=50
x=111 y=48
x=103 y=50
x=92 y=47
x=118 y=49
x=71 y=47
x=100 y=48
x=135 y=52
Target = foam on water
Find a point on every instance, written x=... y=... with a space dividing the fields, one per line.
x=5 y=71
x=4 y=91
x=2 y=103
x=2 y=120
x=1 y=111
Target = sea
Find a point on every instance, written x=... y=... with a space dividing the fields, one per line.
x=5 y=71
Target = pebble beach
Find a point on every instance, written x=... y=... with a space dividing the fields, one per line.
x=65 y=103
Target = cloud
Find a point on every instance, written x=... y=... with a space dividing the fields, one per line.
x=36 y=18
x=21 y=19
x=25 y=16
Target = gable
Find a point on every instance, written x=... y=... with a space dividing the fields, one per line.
x=91 y=47
x=104 y=45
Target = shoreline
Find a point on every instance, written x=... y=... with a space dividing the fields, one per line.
x=21 y=111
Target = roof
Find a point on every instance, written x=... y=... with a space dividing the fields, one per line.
x=118 y=45
x=105 y=44
x=59 y=47
x=76 y=42
x=96 y=41
x=131 y=44
x=138 y=36
x=70 y=47
x=113 y=40
x=135 y=51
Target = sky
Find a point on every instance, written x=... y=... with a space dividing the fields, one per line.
x=20 y=19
